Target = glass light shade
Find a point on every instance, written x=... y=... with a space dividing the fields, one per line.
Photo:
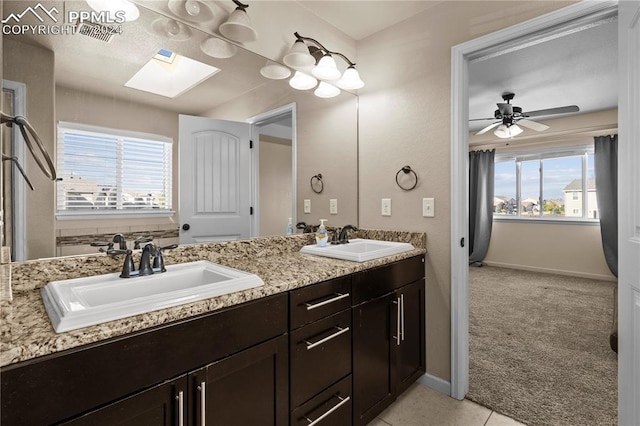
x=238 y=27
x=326 y=90
x=302 y=81
x=192 y=7
x=218 y=48
x=503 y=131
x=275 y=71
x=326 y=69
x=350 y=80
x=131 y=12
x=298 y=56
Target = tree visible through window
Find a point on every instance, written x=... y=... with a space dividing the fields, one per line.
x=108 y=171
x=547 y=183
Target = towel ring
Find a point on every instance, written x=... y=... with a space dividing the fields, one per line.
x=407 y=170
x=317 y=181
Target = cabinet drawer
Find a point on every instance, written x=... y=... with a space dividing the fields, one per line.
x=332 y=407
x=320 y=355
x=376 y=282
x=317 y=301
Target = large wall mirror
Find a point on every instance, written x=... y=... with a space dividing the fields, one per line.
x=79 y=80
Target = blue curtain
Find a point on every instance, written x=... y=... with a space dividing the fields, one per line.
x=606 y=170
x=481 y=173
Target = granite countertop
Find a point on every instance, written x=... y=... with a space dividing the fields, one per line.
x=26 y=332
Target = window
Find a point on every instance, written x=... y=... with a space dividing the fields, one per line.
x=546 y=184
x=112 y=172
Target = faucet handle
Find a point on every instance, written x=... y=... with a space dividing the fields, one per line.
x=102 y=244
x=141 y=240
x=127 y=266
x=122 y=243
x=158 y=260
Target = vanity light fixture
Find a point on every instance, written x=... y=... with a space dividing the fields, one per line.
x=131 y=12
x=169 y=74
x=238 y=25
x=302 y=58
x=275 y=71
x=218 y=48
x=192 y=7
x=326 y=90
x=505 y=131
x=302 y=81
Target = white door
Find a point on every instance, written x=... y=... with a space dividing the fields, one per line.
x=629 y=213
x=215 y=180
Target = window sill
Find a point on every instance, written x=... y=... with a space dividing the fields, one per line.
x=95 y=215
x=548 y=220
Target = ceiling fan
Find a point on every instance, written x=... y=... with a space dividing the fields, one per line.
x=508 y=117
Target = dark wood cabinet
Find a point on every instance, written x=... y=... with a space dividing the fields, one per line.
x=388 y=335
x=248 y=388
x=162 y=405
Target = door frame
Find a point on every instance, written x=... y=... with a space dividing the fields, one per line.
x=18 y=204
x=533 y=30
x=256 y=121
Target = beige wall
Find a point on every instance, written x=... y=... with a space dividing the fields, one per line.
x=568 y=249
x=34 y=66
x=275 y=185
x=405 y=119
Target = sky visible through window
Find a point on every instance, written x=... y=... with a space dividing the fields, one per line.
x=558 y=173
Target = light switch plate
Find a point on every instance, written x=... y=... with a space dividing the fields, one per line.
x=307 y=206
x=333 y=206
x=428 y=207
x=386 y=207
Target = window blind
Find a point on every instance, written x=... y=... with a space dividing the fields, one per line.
x=108 y=171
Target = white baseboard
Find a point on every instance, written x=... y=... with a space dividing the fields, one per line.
x=436 y=383
x=552 y=271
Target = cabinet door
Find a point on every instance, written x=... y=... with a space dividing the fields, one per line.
x=162 y=405
x=374 y=325
x=410 y=363
x=248 y=388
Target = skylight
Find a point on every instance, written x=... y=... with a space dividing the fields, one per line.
x=169 y=74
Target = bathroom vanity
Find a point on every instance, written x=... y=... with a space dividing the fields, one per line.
x=325 y=341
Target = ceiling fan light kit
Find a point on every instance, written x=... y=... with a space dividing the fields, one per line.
x=509 y=116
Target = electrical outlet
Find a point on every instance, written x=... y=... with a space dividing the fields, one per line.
x=428 y=207
x=386 y=207
x=333 y=206
x=307 y=206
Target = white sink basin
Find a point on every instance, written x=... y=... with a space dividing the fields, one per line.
x=358 y=250
x=82 y=302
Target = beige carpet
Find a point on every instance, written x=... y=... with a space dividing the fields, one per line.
x=539 y=347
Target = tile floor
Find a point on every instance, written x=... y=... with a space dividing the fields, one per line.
x=422 y=406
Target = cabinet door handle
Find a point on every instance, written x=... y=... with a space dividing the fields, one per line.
x=311 y=345
x=402 y=316
x=180 y=398
x=398 y=320
x=331 y=410
x=203 y=400
x=339 y=296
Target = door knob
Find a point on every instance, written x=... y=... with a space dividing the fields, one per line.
x=186 y=227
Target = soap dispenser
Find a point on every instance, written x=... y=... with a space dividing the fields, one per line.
x=289 y=228
x=321 y=235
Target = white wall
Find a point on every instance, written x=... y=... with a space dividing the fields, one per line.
x=405 y=119
x=275 y=185
x=567 y=249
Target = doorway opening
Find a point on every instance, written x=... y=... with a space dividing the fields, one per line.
x=274 y=177
x=514 y=37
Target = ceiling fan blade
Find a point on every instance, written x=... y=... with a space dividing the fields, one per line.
x=489 y=127
x=539 y=127
x=552 y=111
x=482 y=119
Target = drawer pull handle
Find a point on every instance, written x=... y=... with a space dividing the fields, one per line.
x=203 y=403
x=339 y=296
x=398 y=335
x=311 y=345
x=402 y=316
x=334 y=408
x=180 y=399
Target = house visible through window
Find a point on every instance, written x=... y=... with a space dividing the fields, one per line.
x=111 y=172
x=546 y=184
